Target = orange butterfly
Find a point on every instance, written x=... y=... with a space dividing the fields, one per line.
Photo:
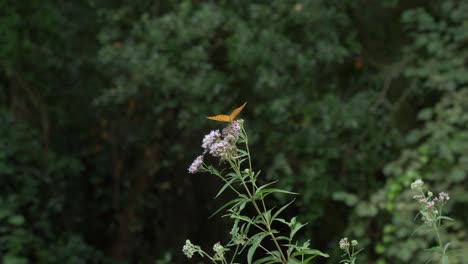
x=228 y=118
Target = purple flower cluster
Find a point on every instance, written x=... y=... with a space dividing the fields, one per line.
x=428 y=202
x=431 y=206
x=209 y=139
x=233 y=129
x=219 y=144
x=222 y=148
x=420 y=198
x=222 y=145
x=196 y=164
x=442 y=198
x=231 y=132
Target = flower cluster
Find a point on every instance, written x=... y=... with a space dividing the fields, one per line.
x=431 y=206
x=209 y=139
x=196 y=164
x=219 y=144
x=442 y=198
x=350 y=251
x=344 y=243
x=231 y=132
x=417 y=185
x=219 y=251
x=189 y=249
x=239 y=239
x=222 y=145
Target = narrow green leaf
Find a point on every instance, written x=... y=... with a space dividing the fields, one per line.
x=293 y=261
x=307 y=260
x=445 y=259
x=296 y=228
x=281 y=210
x=267 y=216
x=243 y=152
x=265 y=185
x=313 y=252
x=264 y=192
x=446 y=247
x=227 y=184
x=267 y=260
x=256 y=240
x=445 y=218
x=235 y=201
x=281 y=220
x=243 y=218
x=231 y=175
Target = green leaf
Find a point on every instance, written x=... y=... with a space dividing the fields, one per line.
x=243 y=218
x=445 y=259
x=445 y=218
x=446 y=247
x=264 y=186
x=281 y=220
x=348 y=198
x=237 y=201
x=267 y=216
x=293 y=261
x=255 y=240
x=283 y=238
x=307 y=260
x=313 y=252
x=227 y=184
x=267 y=260
x=296 y=227
x=16 y=220
x=425 y=114
x=281 y=210
x=264 y=192
x=10 y=259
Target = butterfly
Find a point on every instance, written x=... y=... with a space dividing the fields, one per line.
x=228 y=118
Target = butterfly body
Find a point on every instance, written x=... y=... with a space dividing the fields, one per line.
x=228 y=118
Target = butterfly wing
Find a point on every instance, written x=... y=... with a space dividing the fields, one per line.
x=236 y=112
x=220 y=118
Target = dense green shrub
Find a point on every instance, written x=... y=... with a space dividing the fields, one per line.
x=37 y=199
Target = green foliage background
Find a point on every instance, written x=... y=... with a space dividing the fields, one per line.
x=103 y=107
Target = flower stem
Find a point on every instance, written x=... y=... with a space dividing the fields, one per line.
x=252 y=198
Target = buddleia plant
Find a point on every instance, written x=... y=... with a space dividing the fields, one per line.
x=257 y=234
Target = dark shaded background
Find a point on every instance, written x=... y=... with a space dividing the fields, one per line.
x=103 y=107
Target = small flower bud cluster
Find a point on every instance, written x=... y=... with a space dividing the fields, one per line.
x=219 y=251
x=189 y=249
x=430 y=206
x=349 y=248
x=417 y=185
x=344 y=243
x=239 y=239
